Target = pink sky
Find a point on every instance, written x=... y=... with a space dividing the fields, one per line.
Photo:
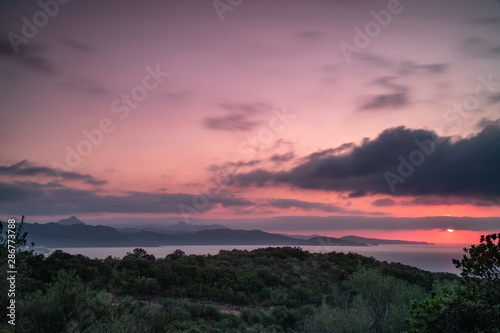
x=232 y=76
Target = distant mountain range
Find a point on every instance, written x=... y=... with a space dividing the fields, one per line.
x=70 y=221
x=376 y=241
x=171 y=229
x=73 y=232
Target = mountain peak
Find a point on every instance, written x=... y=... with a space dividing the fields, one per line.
x=70 y=221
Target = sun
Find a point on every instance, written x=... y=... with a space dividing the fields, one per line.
x=450 y=230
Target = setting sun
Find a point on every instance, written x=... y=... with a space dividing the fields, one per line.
x=450 y=230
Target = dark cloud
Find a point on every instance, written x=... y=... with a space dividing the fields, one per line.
x=232 y=166
x=386 y=101
x=340 y=150
x=357 y=194
x=231 y=122
x=479 y=47
x=396 y=99
x=493 y=99
x=27 y=169
x=31 y=198
x=404 y=67
x=308 y=205
x=433 y=200
x=29 y=58
x=239 y=118
x=411 y=67
x=282 y=157
x=485 y=123
x=466 y=168
x=376 y=60
x=383 y=202
x=83 y=85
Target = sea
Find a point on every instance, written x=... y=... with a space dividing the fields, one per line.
x=433 y=258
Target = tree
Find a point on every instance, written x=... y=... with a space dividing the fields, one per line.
x=483 y=263
x=17 y=236
x=472 y=305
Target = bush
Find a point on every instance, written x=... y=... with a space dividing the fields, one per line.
x=472 y=305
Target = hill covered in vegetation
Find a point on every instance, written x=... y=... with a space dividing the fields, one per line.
x=265 y=290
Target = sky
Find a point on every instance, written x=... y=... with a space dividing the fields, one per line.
x=375 y=118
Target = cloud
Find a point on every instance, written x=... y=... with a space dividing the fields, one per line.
x=383 y=202
x=398 y=95
x=231 y=122
x=239 y=118
x=385 y=101
x=84 y=85
x=357 y=194
x=32 y=198
x=479 y=47
x=29 y=58
x=404 y=67
x=411 y=67
x=485 y=122
x=27 y=169
x=282 y=157
x=396 y=99
x=493 y=99
x=305 y=205
x=432 y=200
x=465 y=167
x=254 y=107
x=376 y=60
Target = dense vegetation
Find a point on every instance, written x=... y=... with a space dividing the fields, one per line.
x=265 y=290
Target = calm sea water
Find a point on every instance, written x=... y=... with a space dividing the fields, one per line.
x=434 y=258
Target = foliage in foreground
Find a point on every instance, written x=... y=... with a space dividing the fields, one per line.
x=473 y=304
